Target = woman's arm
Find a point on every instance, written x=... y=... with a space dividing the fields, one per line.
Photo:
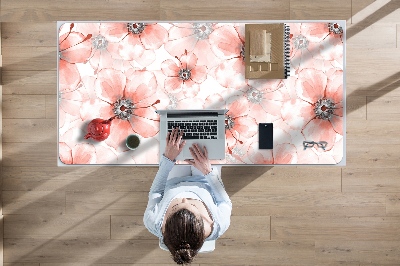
x=156 y=194
x=222 y=199
x=172 y=149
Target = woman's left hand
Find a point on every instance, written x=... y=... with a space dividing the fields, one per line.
x=174 y=144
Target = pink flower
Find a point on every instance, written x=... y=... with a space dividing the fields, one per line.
x=264 y=99
x=137 y=41
x=193 y=38
x=86 y=153
x=227 y=42
x=239 y=126
x=284 y=153
x=104 y=47
x=319 y=107
x=170 y=100
x=131 y=100
x=183 y=74
x=312 y=44
x=73 y=149
x=305 y=44
x=74 y=47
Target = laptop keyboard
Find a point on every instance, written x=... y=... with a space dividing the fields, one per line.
x=195 y=129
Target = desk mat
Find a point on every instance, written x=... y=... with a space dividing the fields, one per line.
x=142 y=67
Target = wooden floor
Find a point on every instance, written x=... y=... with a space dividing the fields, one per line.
x=281 y=215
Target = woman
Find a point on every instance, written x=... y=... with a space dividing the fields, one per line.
x=187 y=204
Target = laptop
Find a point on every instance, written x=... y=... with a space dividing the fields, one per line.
x=204 y=127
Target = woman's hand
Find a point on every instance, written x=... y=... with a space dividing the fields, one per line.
x=200 y=159
x=174 y=144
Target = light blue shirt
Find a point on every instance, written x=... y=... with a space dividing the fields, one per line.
x=209 y=188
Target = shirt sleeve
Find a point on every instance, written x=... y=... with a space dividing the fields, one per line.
x=222 y=199
x=156 y=194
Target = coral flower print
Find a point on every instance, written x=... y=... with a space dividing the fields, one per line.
x=137 y=41
x=284 y=153
x=74 y=47
x=123 y=72
x=131 y=100
x=239 y=126
x=184 y=75
x=83 y=153
x=320 y=102
x=228 y=44
x=194 y=38
x=305 y=44
x=104 y=47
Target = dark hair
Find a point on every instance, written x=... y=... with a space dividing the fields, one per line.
x=184 y=235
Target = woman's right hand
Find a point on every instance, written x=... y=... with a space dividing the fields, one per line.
x=200 y=159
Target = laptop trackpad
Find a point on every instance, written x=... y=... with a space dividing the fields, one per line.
x=201 y=143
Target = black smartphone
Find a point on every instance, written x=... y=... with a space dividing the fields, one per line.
x=265 y=136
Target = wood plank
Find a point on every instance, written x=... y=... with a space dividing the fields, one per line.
x=374 y=75
x=29 y=130
x=249 y=227
x=287 y=180
x=28 y=34
x=41 y=62
x=28 y=51
x=21 y=264
x=224 y=10
x=309 y=204
x=51 y=106
x=364 y=252
x=381 y=180
x=374 y=12
x=133 y=181
x=373 y=132
x=383 y=108
x=147 y=251
x=33 y=202
x=79 y=179
x=129 y=227
x=371 y=155
x=393 y=204
x=23 y=11
x=335 y=228
x=50 y=226
x=24 y=106
x=113 y=264
x=30 y=82
x=85 y=251
x=1 y=154
x=359 y=6
x=30 y=154
x=326 y=9
x=356 y=108
x=398 y=35
x=1 y=237
x=107 y=203
x=384 y=36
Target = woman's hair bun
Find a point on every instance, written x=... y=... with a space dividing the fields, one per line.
x=183 y=255
x=184 y=245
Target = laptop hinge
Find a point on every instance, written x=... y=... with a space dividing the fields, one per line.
x=192 y=114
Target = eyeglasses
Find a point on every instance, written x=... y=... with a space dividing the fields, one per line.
x=310 y=144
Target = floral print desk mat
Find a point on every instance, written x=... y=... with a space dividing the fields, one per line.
x=127 y=70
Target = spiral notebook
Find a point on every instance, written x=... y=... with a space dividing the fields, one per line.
x=267 y=51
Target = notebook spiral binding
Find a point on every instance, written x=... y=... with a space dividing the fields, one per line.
x=287 y=51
